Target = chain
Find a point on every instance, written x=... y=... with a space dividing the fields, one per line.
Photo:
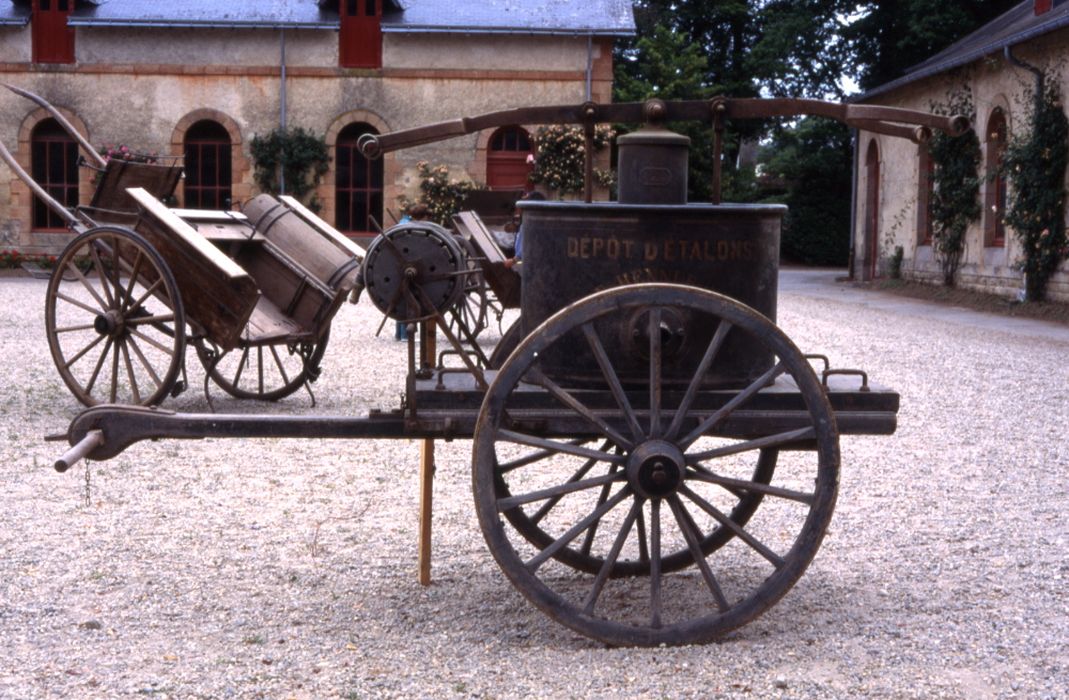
x=88 y=485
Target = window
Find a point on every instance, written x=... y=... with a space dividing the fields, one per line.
x=995 y=194
x=207 y=166
x=360 y=37
x=54 y=166
x=506 y=159
x=925 y=190
x=53 y=40
x=358 y=183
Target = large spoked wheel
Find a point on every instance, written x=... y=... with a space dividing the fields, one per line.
x=263 y=372
x=114 y=319
x=666 y=511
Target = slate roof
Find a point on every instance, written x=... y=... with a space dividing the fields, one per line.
x=601 y=17
x=604 y=17
x=1014 y=27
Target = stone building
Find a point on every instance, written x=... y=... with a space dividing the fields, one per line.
x=892 y=175
x=201 y=78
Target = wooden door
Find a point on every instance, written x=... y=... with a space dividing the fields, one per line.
x=360 y=37
x=53 y=40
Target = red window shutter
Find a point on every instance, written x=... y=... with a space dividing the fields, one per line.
x=360 y=38
x=53 y=40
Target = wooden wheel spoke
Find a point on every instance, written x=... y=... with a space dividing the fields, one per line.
x=99 y=365
x=656 y=603
x=114 y=395
x=584 y=411
x=552 y=502
x=88 y=287
x=611 y=557
x=702 y=473
x=144 y=361
x=756 y=444
x=559 y=490
x=536 y=456
x=558 y=544
x=643 y=544
x=691 y=535
x=740 y=532
x=241 y=365
x=130 y=373
x=736 y=401
x=696 y=381
x=80 y=304
x=279 y=365
x=94 y=254
x=149 y=291
x=260 y=369
x=80 y=327
x=143 y=320
x=135 y=270
x=607 y=371
x=656 y=386
x=153 y=342
x=588 y=538
x=81 y=353
x=559 y=447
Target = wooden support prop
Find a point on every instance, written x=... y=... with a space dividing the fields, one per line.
x=428 y=335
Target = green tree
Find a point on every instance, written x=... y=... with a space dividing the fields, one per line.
x=889 y=36
x=809 y=159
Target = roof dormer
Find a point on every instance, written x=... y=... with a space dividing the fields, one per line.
x=53 y=40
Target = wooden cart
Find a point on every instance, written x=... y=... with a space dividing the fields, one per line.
x=655 y=462
x=253 y=291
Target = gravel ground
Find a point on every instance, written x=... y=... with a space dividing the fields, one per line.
x=247 y=569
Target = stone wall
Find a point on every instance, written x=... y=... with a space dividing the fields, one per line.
x=144 y=88
x=995 y=84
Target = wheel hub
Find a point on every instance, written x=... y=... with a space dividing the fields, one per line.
x=655 y=469
x=109 y=323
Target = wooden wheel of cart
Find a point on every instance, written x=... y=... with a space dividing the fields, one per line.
x=664 y=531
x=266 y=372
x=114 y=319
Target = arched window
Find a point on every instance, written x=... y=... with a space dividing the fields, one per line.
x=925 y=190
x=995 y=194
x=506 y=159
x=54 y=166
x=207 y=166
x=358 y=183
x=872 y=207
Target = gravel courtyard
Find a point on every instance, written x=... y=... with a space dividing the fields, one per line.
x=287 y=569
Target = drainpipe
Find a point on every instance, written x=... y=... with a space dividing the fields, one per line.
x=589 y=67
x=1007 y=51
x=855 y=137
x=282 y=104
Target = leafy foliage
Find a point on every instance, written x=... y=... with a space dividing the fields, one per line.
x=809 y=158
x=955 y=201
x=442 y=194
x=301 y=156
x=889 y=36
x=560 y=155
x=1036 y=163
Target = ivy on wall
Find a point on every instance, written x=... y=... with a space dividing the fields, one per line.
x=442 y=194
x=1035 y=163
x=298 y=154
x=559 y=158
x=955 y=201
